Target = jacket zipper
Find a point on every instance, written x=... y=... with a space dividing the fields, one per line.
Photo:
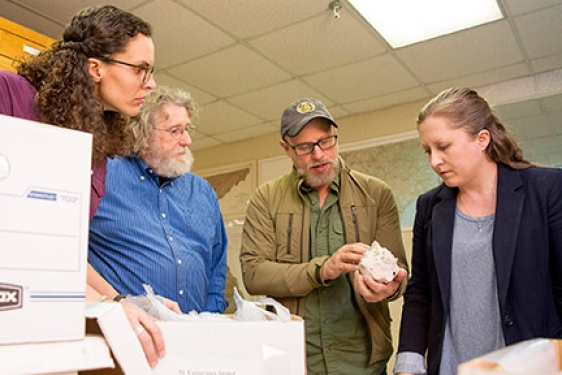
x=355 y=223
x=289 y=232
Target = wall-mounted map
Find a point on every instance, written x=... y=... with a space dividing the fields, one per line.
x=403 y=166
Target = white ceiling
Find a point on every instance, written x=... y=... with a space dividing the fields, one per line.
x=245 y=60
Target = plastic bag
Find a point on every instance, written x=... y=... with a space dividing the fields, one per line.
x=252 y=311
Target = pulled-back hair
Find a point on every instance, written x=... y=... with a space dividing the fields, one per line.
x=466 y=109
x=65 y=91
x=153 y=112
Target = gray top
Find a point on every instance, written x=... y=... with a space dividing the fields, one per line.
x=474 y=325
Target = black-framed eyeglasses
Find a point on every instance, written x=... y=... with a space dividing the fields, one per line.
x=307 y=148
x=148 y=70
x=177 y=132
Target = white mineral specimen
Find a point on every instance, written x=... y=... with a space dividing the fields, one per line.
x=379 y=263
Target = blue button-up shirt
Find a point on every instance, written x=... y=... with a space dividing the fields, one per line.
x=170 y=236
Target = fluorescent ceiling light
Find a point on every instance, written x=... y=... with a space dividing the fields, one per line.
x=404 y=22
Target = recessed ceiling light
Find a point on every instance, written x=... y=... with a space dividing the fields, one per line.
x=405 y=22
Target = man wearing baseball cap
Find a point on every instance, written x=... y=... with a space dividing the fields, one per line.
x=303 y=237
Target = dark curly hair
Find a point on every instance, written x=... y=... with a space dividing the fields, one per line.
x=65 y=91
x=466 y=109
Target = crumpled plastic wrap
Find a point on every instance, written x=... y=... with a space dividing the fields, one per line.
x=245 y=310
x=154 y=306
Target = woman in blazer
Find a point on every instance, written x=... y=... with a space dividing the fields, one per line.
x=487 y=247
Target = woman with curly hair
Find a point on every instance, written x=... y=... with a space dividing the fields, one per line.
x=92 y=80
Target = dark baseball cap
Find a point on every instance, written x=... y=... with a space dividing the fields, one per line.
x=300 y=113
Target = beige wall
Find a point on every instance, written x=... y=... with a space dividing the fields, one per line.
x=391 y=121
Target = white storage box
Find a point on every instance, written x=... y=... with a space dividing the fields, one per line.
x=44 y=211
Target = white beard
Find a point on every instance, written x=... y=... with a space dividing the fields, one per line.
x=168 y=165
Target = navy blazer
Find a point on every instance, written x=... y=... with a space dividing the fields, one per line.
x=527 y=248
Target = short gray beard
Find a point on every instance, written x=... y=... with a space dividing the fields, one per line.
x=166 y=165
x=316 y=181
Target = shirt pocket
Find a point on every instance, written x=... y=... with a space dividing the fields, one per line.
x=337 y=227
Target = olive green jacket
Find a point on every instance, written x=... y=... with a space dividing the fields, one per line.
x=275 y=244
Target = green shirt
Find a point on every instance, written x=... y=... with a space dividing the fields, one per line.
x=337 y=340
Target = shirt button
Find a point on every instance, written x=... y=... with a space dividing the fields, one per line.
x=142 y=178
x=508 y=320
x=163 y=215
x=171 y=238
x=161 y=191
x=181 y=292
x=179 y=261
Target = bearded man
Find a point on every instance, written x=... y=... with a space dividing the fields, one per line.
x=157 y=223
x=303 y=237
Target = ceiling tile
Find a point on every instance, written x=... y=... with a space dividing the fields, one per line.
x=270 y=102
x=219 y=117
x=202 y=143
x=231 y=71
x=246 y=133
x=533 y=28
x=21 y=14
x=384 y=101
x=546 y=63
x=508 y=112
x=364 y=80
x=319 y=44
x=483 y=78
x=199 y=96
x=252 y=18
x=525 y=6
x=63 y=10
x=197 y=36
x=462 y=53
x=338 y=111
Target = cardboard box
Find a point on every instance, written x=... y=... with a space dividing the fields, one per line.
x=44 y=205
x=207 y=347
x=536 y=356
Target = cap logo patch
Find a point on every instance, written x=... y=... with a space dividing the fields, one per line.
x=305 y=107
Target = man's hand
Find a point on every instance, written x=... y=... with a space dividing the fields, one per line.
x=375 y=291
x=150 y=335
x=345 y=260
